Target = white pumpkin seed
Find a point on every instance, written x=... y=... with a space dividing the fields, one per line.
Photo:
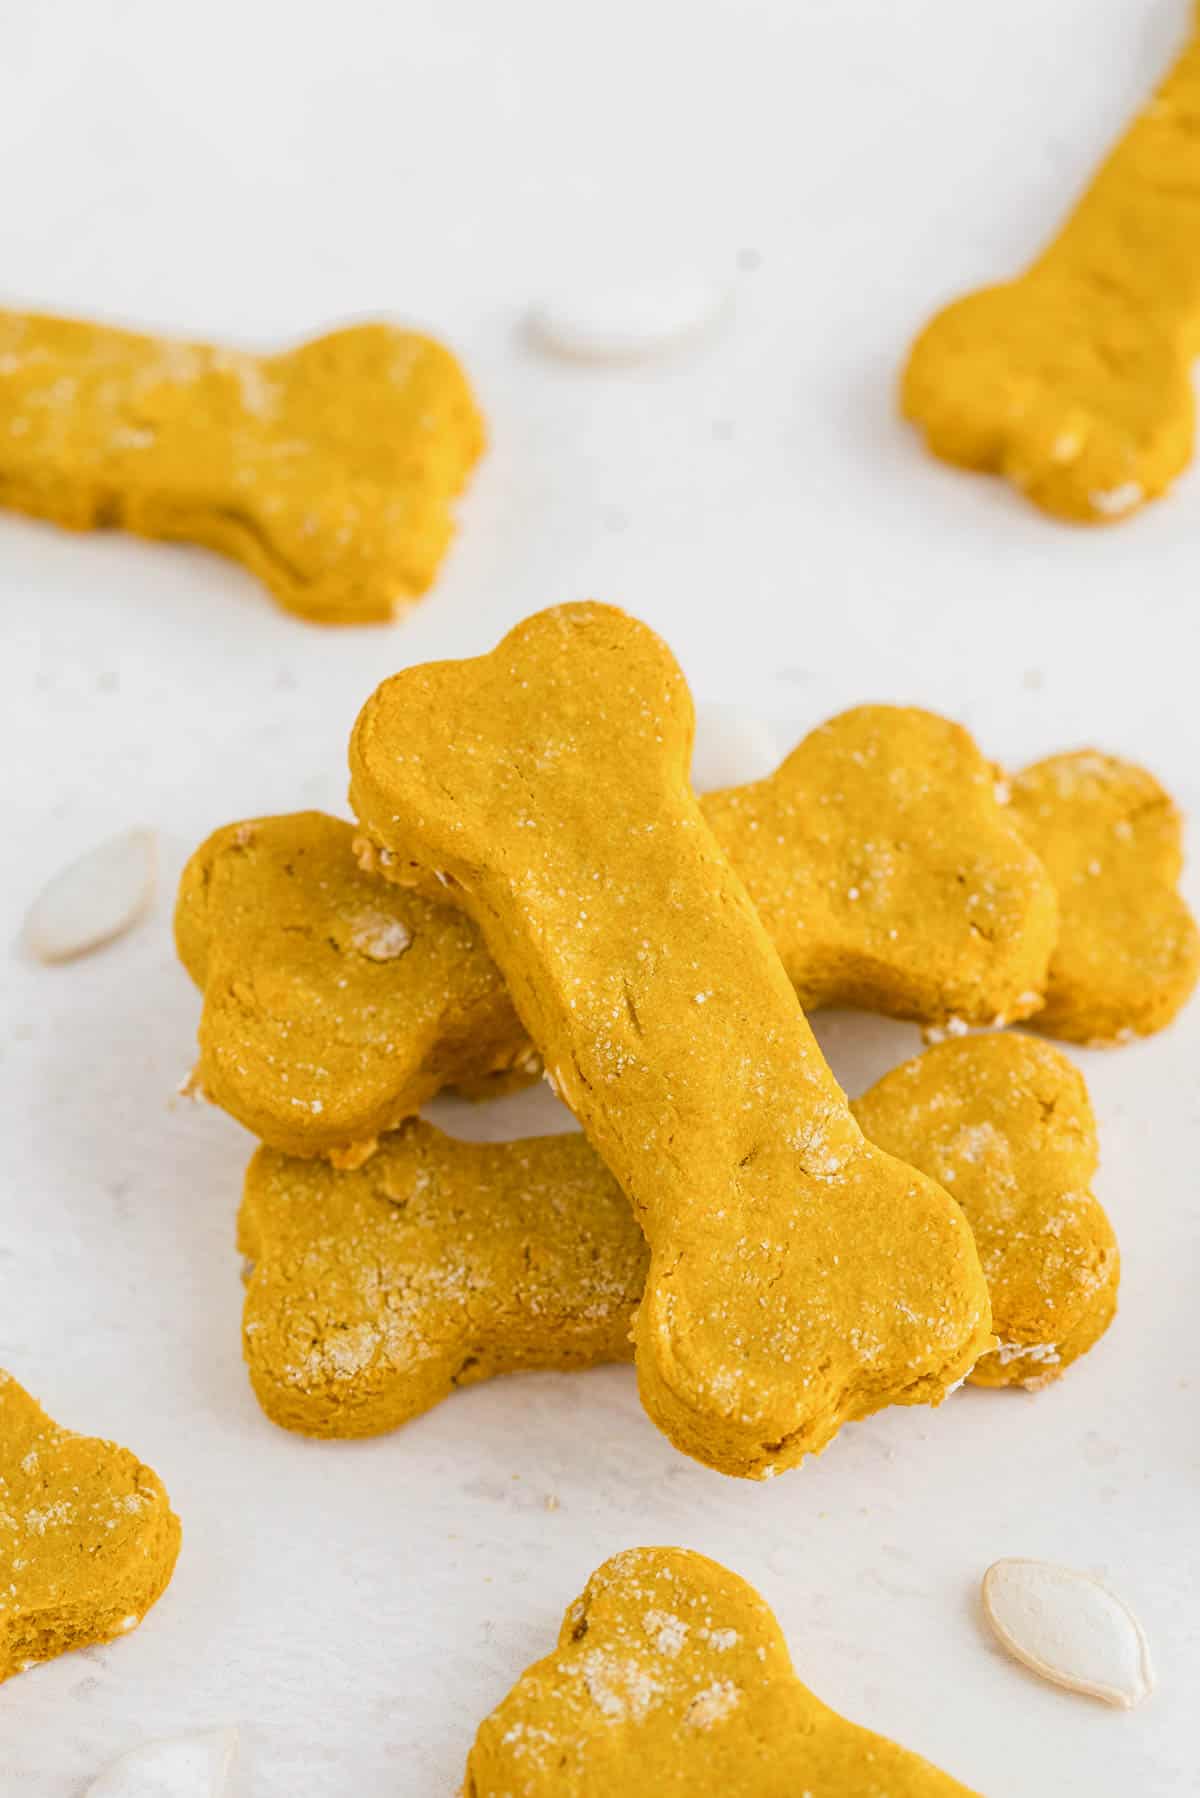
x=1070 y=1629
x=379 y=937
x=629 y=321
x=192 y=1766
x=95 y=899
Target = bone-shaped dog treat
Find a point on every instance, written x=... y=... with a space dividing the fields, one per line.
x=1004 y=1123
x=1074 y=380
x=327 y=469
x=375 y=1292
x=798 y=1277
x=1128 y=952
x=88 y=1540
x=877 y=855
x=671 y=1676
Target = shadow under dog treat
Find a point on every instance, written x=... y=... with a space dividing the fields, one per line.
x=798 y=1277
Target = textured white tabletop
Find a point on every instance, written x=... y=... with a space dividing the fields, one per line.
x=845 y=166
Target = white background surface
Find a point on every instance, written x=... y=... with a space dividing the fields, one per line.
x=257 y=173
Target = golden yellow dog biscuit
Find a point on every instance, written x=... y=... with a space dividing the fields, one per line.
x=88 y=1540
x=375 y=1293
x=439 y=1263
x=1081 y=403
x=327 y=469
x=877 y=855
x=334 y=1004
x=671 y=1676
x=1004 y=1123
x=1128 y=952
x=1074 y=380
x=798 y=1277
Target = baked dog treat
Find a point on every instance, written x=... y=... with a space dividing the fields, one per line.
x=334 y=1004
x=672 y=1676
x=328 y=470
x=1074 y=380
x=1004 y=1123
x=798 y=1277
x=374 y=1293
x=877 y=855
x=88 y=1540
x=1128 y=953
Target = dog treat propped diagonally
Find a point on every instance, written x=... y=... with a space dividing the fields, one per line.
x=88 y=1540
x=671 y=1677
x=798 y=1277
x=328 y=469
x=1074 y=380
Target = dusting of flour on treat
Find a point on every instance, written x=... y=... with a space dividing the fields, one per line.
x=716 y=1708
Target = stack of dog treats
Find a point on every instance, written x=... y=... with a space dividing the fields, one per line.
x=533 y=884
x=533 y=887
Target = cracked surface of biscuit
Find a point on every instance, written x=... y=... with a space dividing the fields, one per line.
x=1005 y=1124
x=88 y=1540
x=798 y=1278
x=672 y=1676
x=1128 y=952
x=886 y=872
x=328 y=469
x=375 y=1292
x=1074 y=381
